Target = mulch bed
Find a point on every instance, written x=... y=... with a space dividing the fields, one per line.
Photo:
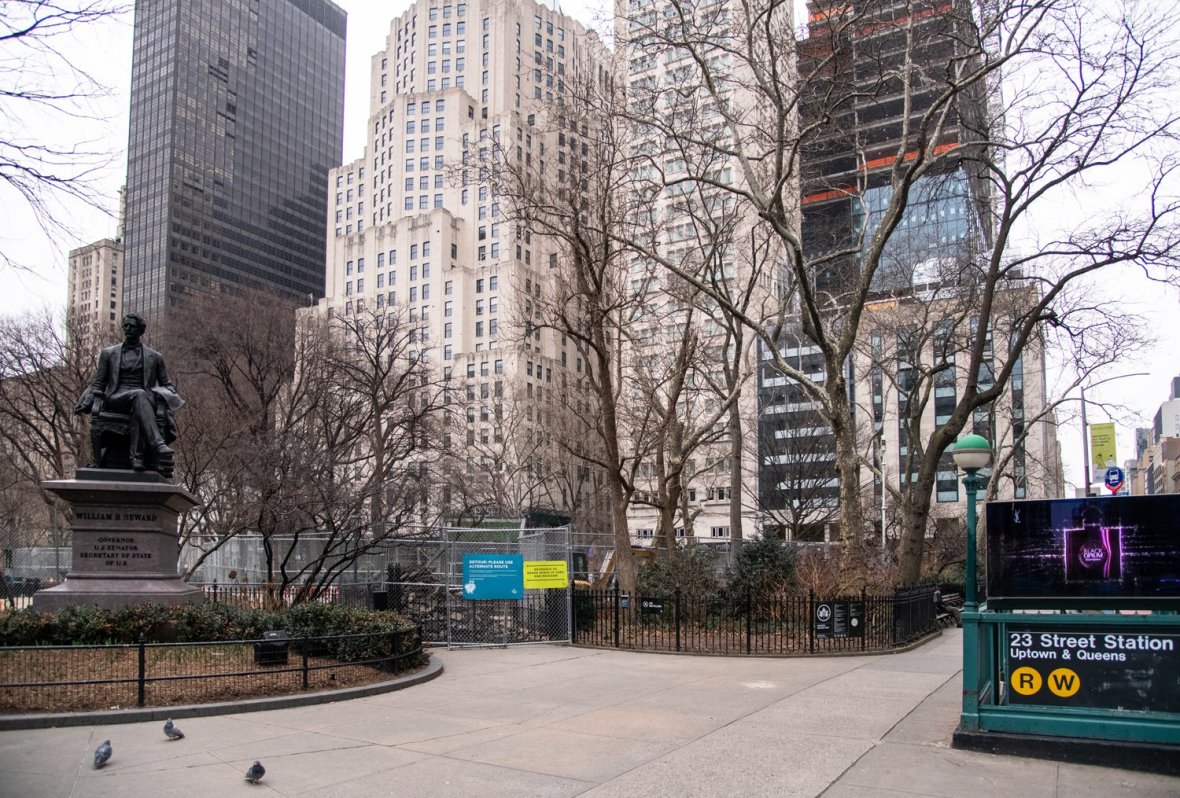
x=224 y=673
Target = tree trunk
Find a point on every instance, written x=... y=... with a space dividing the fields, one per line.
x=848 y=471
x=624 y=561
x=915 y=517
x=670 y=493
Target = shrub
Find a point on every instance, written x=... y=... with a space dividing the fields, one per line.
x=763 y=567
x=692 y=570
x=210 y=622
x=585 y=614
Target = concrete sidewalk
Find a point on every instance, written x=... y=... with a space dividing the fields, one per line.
x=559 y=721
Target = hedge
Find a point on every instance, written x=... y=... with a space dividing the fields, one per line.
x=193 y=623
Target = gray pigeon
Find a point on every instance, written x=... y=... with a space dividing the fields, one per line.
x=171 y=731
x=255 y=772
x=102 y=754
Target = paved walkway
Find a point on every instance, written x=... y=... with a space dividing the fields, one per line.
x=558 y=721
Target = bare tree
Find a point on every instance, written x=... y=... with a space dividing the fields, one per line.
x=1084 y=89
x=312 y=435
x=43 y=89
x=797 y=492
x=233 y=358
x=517 y=465
x=44 y=367
x=590 y=301
x=43 y=371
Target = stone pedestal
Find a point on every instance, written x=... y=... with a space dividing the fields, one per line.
x=125 y=550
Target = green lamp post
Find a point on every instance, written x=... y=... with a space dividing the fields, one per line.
x=971 y=453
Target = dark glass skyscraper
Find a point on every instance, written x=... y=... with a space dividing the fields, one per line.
x=236 y=117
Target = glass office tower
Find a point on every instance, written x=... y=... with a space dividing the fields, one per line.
x=236 y=117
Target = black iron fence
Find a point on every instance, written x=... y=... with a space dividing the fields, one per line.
x=260 y=596
x=365 y=595
x=751 y=624
x=81 y=678
x=722 y=623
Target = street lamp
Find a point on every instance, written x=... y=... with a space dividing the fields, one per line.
x=971 y=453
x=880 y=436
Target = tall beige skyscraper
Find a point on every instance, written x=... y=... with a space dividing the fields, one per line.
x=418 y=233
x=94 y=285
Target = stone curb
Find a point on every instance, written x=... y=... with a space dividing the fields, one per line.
x=432 y=670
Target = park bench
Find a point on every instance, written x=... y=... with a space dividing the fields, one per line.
x=948 y=609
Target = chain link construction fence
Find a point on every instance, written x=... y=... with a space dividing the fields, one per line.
x=28 y=569
x=419 y=574
x=432 y=593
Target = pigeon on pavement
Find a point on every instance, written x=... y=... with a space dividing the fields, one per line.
x=102 y=754
x=171 y=731
x=255 y=772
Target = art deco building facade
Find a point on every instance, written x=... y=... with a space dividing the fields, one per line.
x=420 y=233
x=236 y=118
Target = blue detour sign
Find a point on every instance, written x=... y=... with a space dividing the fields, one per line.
x=493 y=576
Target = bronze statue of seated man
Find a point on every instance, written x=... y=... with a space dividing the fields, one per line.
x=131 y=397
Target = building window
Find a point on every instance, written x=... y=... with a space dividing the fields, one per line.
x=719 y=532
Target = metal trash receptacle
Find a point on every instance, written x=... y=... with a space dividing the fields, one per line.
x=272 y=649
x=380 y=600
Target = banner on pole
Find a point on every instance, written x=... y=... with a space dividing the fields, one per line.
x=1103 y=449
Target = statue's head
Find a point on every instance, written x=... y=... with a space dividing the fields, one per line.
x=133 y=325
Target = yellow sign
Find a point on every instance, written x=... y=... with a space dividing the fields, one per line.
x=1063 y=682
x=1103 y=452
x=1025 y=681
x=546 y=573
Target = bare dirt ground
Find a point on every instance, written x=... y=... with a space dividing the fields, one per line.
x=64 y=680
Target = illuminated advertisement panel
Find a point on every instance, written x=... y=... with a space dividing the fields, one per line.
x=1121 y=550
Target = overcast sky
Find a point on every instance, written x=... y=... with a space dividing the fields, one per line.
x=105 y=52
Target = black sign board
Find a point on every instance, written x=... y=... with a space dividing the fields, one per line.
x=651 y=606
x=1101 y=667
x=1114 y=551
x=856 y=619
x=836 y=619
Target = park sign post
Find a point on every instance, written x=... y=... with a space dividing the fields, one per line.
x=1079 y=640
